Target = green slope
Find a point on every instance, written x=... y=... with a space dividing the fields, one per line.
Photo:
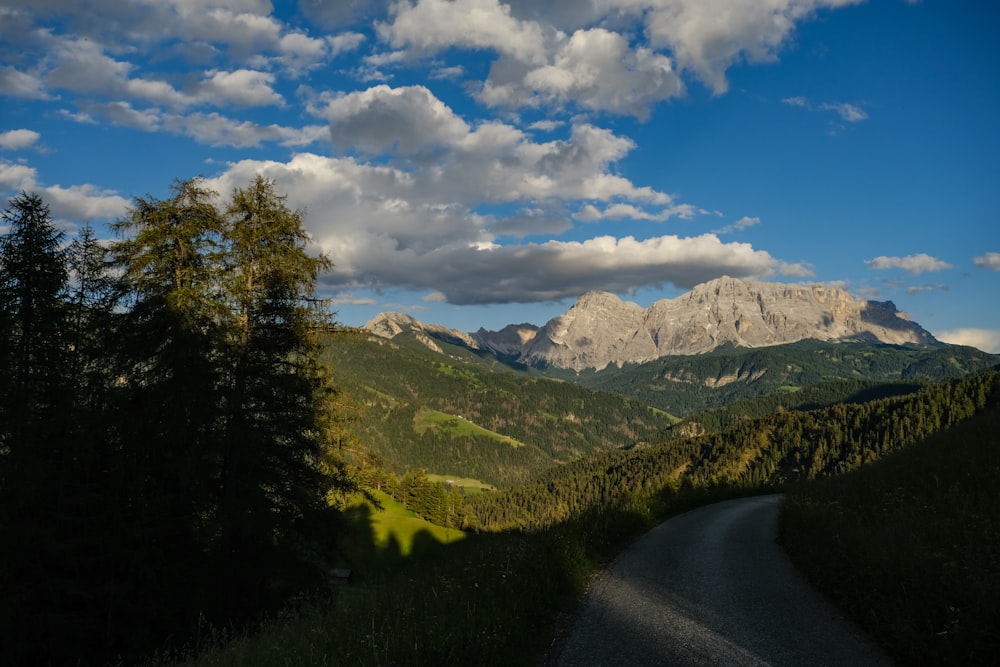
x=456 y=413
x=910 y=546
x=683 y=385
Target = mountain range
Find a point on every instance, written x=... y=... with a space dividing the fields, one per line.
x=602 y=330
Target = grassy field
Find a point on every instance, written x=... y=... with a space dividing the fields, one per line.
x=910 y=546
x=467 y=483
x=395 y=527
x=456 y=427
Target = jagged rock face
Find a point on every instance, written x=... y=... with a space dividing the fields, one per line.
x=390 y=325
x=601 y=329
x=509 y=341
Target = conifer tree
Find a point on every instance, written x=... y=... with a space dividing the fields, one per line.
x=168 y=399
x=272 y=469
x=33 y=278
x=35 y=458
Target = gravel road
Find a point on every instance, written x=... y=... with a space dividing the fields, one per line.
x=711 y=587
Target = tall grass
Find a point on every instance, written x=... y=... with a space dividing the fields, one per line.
x=483 y=600
x=910 y=545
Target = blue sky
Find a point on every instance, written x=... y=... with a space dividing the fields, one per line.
x=479 y=163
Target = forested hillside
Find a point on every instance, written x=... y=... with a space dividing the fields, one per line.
x=683 y=385
x=909 y=547
x=770 y=451
x=450 y=414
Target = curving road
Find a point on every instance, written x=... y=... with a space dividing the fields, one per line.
x=711 y=587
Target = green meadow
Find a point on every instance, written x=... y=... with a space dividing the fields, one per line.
x=456 y=427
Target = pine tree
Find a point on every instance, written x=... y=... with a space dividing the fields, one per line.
x=35 y=454
x=33 y=279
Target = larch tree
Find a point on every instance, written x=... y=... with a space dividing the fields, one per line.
x=273 y=469
x=170 y=373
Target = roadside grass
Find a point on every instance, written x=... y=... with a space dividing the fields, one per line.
x=481 y=600
x=909 y=546
x=485 y=599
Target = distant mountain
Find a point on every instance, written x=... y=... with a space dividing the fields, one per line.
x=601 y=330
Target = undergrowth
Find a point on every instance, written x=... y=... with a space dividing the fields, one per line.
x=909 y=546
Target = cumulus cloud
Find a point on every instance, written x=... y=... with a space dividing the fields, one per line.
x=588 y=53
x=987 y=340
x=18 y=139
x=915 y=264
x=709 y=36
x=555 y=270
x=990 y=260
x=214 y=129
x=431 y=25
x=530 y=222
x=407 y=119
x=384 y=226
x=344 y=42
x=243 y=87
x=77 y=202
x=596 y=69
x=16 y=83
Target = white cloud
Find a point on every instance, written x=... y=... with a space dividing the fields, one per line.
x=214 y=129
x=852 y=113
x=348 y=299
x=22 y=84
x=743 y=223
x=545 y=125
x=619 y=211
x=919 y=289
x=407 y=119
x=709 y=36
x=17 y=176
x=849 y=112
x=990 y=260
x=83 y=202
x=493 y=162
x=385 y=227
x=596 y=69
x=987 y=340
x=915 y=264
x=243 y=87
x=797 y=101
x=124 y=114
x=78 y=202
x=18 y=139
x=589 y=52
x=344 y=42
x=431 y=25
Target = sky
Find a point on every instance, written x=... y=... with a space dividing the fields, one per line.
x=477 y=163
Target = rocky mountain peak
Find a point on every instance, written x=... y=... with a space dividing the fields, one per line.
x=601 y=329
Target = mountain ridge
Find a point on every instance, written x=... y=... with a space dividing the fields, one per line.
x=602 y=330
